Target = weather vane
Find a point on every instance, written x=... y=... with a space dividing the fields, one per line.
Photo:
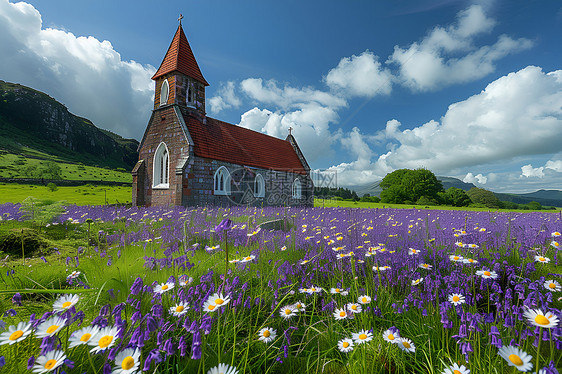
x=180 y=18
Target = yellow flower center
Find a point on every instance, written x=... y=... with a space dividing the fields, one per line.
x=248 y=258
x=362 y=336
x=337 y=290
x=66 y=304
x=211 y=307
x=354 y=307
x=342 y=314
x=313 y=289
x=266 y=334
x=52 y=329
x=105 y=341
x=542 y=320
x=406 y=344
x=85 y=337
x=50 y=364
x=180 y=308
x=552 y=285
x=487 y=273
x=456 y=298
x=391 y=337
x=515 y=359
x=287 y=311
x=345 y=344
x=364 y=299
x=456 y=257
x=541 y=259
x=456 y=372
x=219 y=301
x=16 y=335
x=128 y=363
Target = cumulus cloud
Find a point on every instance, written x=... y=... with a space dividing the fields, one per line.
x=529 y=171
x=226 y=98
x=448 y=56
x=554 y=165
x=361 y=75
x=86 y=74
x=479 y=179
x=519 y=114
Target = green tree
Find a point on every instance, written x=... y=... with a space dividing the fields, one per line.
x=457 y=197
x=408 y=186
x=485 y=197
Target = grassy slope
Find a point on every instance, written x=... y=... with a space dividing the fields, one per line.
x=81 y=195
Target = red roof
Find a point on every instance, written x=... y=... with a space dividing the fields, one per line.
x=222 y=141
x=180 y=58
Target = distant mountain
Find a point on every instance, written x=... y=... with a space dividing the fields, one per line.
x=449 y=182
x=32 y=120
x=544 y=197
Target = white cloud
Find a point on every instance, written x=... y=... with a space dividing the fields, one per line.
x=447 y=56
x=360 y=76
x=529 y=171
x=226 y=98
x=86 y=74
x=517 y=115
x=479 y=179
x=554 y=165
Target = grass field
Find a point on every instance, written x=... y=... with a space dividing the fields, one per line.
x=79 y=195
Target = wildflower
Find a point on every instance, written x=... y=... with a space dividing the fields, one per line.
x=412 y=251
x=473 y=246
x=337 y=249
x=248 y=258
x=364 y=299
x=345 y=345
x=552 y=285
x=65 y=302
x=105 y=338
x=288 y=312
x=340 y=291
x=215 y=301
x=223 y=369
x=267 y=335
x=406 y=344
x=224 y=225
x=487 y=274
x=304 y=262
x=456 y=369
x=456 y=258
x=425 y=266
x=555 y=244
x=391 y=337
x=340 y=314
x=250 y=234
x=456 y=299
x=354 y=308
x=179 y=309
x=536 y=317
x=73 y=275
x=459 y=244
x=381 y=268
x=82 y=336
x=542 y=259
x=284 y=248
x=469 y=261
x=184 y=280
x=362 y=336
x=415 y=282
x=127 y=361
x=164 y=287
x=50 y=327
x=15 y=333
x=516 y=357
x=556 y=234
x=299 y=306
x=49 y=362
x=213 y=248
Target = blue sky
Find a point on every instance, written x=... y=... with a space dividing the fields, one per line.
x=466 y=89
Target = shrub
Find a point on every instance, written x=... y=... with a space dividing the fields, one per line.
x=53 y=187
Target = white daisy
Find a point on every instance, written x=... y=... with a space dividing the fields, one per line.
x=105 y=338
x=340 y=291
x=516 y=357
x=537 y=317
x=406 y=344
x=391 y=337
x=456 y=299
x=412 y=251
x=556 y=234
x=49 y=362
x=555 y=244
x=456 y=258
x=65 y=302
x=487 y=274
x=469 y=261
x=354 y=308
x=164 y=287
x=219 y=299
x=267 y=335
x=50 y=327
x=248 y=258
x=184 y=280
x=82 y=336
x=552 y=285
x=340 y=314
x=345 y=345
x=288 y=312
x=179 y=309
x=544 y=260
x=425 y=266
x=362 y=336
x=456 y=369
x=415 y=282
x=223 y=369
x=15 y=333
x=299 y=306
x=127 y=361
x=363 y=299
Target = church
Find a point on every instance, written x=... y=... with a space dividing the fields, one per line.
x=189 y=159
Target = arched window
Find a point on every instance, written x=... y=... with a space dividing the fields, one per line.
x=189 y=96
x=297 y=190
x=222 y=181
x=161 y=167
x=164 y=92
x=259 y=186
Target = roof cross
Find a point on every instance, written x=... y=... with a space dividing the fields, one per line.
x=290 y=129
x=180 y=18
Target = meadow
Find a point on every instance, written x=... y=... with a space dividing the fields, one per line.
x=338 y=290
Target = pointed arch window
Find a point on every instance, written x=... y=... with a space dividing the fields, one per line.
x=297 y=189
x=222 y=181
x=259 y=186
x=164 y=92
x=161 y=167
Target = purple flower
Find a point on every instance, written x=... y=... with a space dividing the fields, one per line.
x=225 y=224
x=30 y=362
x=107 y=369
x=137 y=286
x=3 y=361
x=154 y=355
x=16 y=299
x=182 y=345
